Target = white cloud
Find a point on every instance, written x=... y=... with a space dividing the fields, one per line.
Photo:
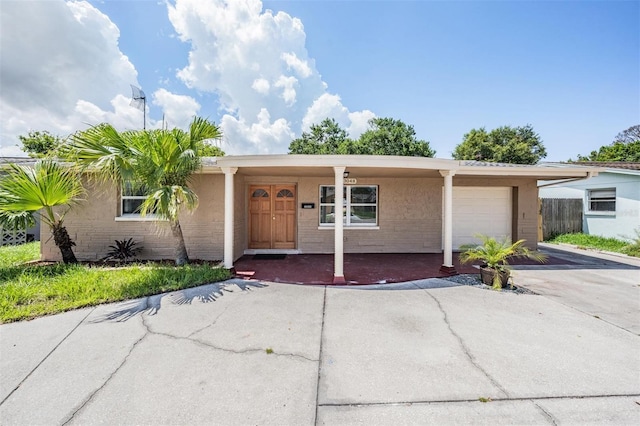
x=295 y=63
x=359 y=122
x=257 y=137
x=178 y=110
x=288 y=89
x=257 y=63
x=261 y=86
x=61 y=69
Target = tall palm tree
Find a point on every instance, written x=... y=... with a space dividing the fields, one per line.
x=47 y=190
x=161 y=161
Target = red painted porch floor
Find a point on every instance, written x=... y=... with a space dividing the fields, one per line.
x=369 y=268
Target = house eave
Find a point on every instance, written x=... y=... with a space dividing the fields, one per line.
x=291 y=164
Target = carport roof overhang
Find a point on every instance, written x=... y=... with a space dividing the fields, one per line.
x=384 y=166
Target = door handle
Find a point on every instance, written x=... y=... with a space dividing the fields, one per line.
x=274 y=218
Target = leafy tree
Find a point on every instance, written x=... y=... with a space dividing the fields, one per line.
x=516 y=145
x=393 y=137
x=323 y=138
x=206 y=149
x=386 y=136
x=47 y=190
x=617 y=151
x=162 y=161
x=39 y=144
x=625 y=147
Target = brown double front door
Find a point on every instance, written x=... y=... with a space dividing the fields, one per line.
x=272 y=217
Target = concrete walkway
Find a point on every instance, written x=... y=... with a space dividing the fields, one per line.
x=264 y=353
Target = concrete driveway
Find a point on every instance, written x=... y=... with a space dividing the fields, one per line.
x=249 y=353
x=605 y=286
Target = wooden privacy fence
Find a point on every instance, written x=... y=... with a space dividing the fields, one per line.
x=559 y=216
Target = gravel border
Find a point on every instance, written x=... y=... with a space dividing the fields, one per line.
x=474 y=281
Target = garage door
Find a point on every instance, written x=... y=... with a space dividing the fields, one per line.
x=480 y=210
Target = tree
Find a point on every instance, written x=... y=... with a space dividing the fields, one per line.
x=385 y=136
x=39 y=144
x=206 y=149
x=47 y=190
x=506 y=144
x=161 y=161
x=617 y=151
x=632 y=134
x=323 y=138
x=625 y=147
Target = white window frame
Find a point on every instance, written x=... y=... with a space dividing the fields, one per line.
x=347 y=204
x=602 y=195
x=122 y=217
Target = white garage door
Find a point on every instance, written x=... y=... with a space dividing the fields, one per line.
x=480 y=210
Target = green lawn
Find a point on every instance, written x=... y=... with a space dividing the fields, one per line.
x=599 y=243
x=28 y=291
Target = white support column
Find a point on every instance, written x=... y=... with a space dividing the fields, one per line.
x=447 y=220
x=338 y=256
x=229 y=205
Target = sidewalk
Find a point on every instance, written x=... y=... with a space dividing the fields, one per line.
x=265 y=353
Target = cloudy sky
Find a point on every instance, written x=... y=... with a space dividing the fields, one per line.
x=266 y=70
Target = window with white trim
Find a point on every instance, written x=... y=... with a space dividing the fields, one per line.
x=131 y=199
x=361 y=201
x=601 y=200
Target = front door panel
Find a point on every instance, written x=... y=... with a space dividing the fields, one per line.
x=272 y=216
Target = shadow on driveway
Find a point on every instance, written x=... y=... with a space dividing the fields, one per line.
x=151 y=305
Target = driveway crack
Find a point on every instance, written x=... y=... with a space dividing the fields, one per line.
x=46 y=356
x=212 y=323
x=465 y=349
x=233 y=351
x=112 y=375
x=547 y=414
x=324 y=306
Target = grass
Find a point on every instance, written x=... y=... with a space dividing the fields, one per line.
x=599 y=243
x=28 y=291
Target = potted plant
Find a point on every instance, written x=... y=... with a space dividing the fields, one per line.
x=495 y=255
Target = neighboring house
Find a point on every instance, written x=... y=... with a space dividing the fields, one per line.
x=611 y=200
x=287 y=204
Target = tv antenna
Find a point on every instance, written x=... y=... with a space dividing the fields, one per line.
x=139 y=100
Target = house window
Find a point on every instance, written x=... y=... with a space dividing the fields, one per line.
x=601 y=200
x=132 y=197
x=360 y=201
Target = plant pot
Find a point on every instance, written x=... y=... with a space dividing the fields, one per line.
x=487 y=274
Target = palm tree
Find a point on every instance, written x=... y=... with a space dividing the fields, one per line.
x=161 y=161
x=47 y=190
x=495 y=254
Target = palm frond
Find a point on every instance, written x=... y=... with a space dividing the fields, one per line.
x=43 y=187
x=104 y=150
x=166 y=202
x=202 y=129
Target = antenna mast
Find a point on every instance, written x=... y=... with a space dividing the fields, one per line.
x=139 y=100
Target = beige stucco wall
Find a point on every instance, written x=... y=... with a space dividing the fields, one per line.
x=409 y=218
x=93 y=225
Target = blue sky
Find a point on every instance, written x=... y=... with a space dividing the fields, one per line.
x=569 y=68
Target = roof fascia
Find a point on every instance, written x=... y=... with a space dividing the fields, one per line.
x=384 y=161
x=295 y=160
